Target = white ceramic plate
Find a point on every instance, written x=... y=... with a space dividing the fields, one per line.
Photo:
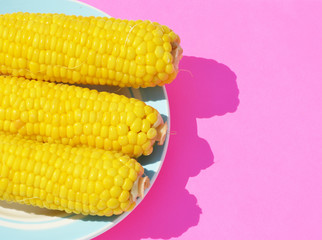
x=26 y=222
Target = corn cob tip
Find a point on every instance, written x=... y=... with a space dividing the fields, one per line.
x=139 y=187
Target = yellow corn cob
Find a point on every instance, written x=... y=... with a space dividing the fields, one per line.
x=88 y=50
x=81 y=180
x=74 y=115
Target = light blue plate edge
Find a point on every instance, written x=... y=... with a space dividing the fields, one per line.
x=88 y=227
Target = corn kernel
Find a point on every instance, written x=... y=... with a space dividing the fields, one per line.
x=3 y=184
x=115 y=191
x=152 y=117
x=113 y=203
x=141 y=49
x=125 y=205
x=132 y=136
x=128 y=149
x=136 y=125
x=152 y=133
x=124 y=196
x=127 y=185
x=160 y=65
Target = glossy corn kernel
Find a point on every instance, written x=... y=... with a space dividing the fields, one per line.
x=88 y=50
x=32 y=173
x=59 y=113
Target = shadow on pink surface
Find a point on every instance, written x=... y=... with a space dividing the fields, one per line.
x=203 y=89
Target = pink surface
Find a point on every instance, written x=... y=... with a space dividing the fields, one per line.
x=245 y=157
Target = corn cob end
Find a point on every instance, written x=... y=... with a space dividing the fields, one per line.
x=139 y=187
x=162 y=129
x=177 y=55
x=162 y=133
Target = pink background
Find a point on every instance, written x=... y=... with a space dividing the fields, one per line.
x=245 y=155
